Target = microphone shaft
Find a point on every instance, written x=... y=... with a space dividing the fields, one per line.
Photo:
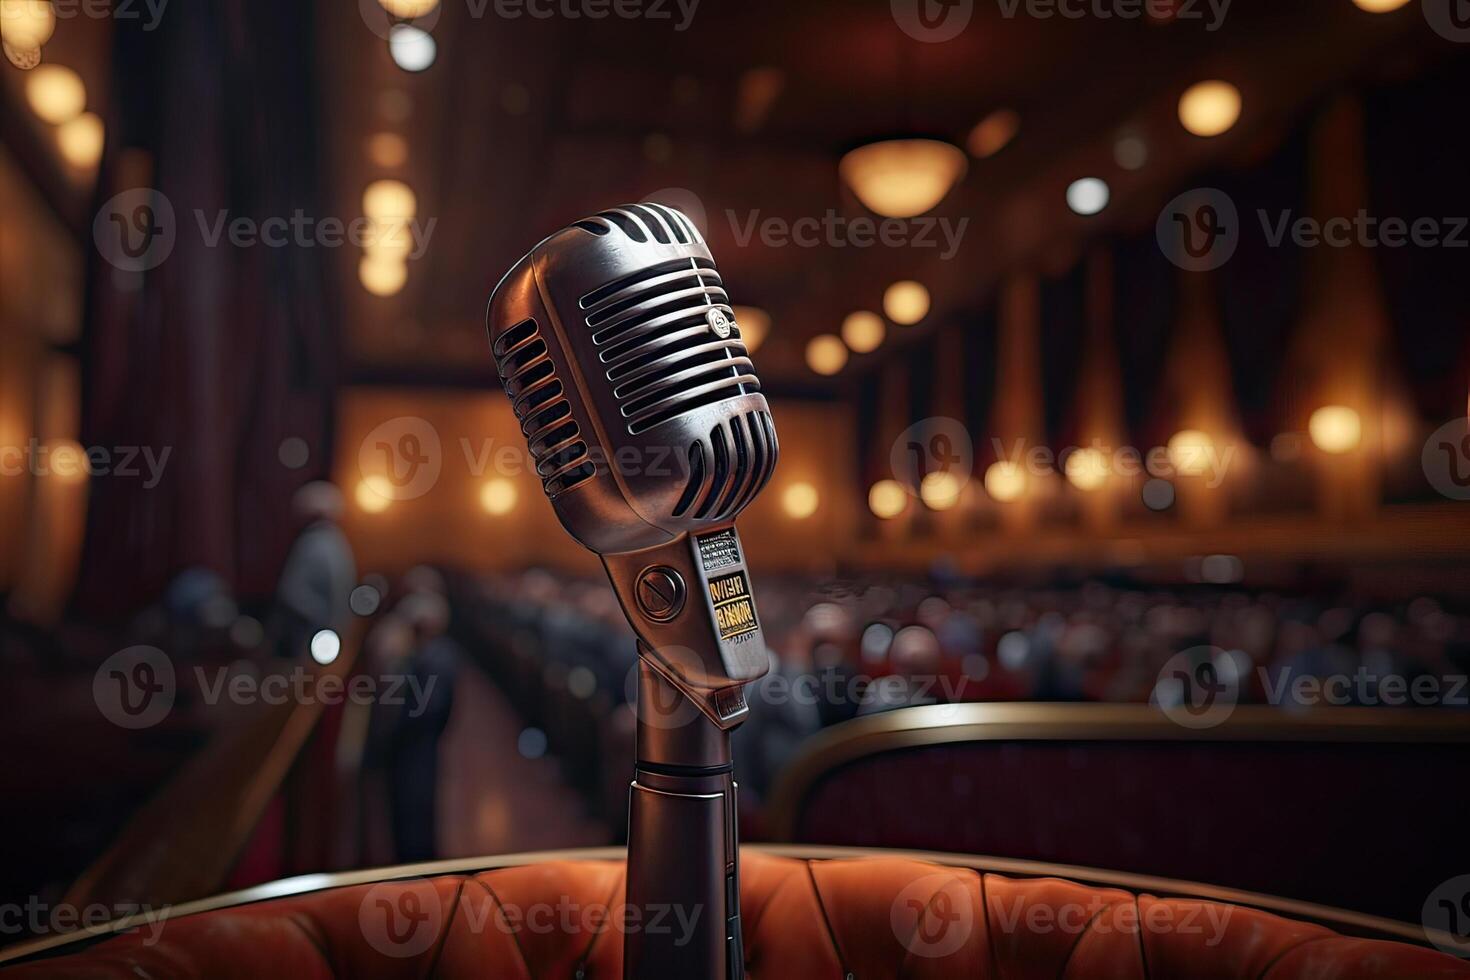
x=683 y=844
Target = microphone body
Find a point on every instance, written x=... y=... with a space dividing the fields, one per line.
x=619 y=350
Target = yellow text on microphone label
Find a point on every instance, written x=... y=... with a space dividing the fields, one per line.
x=734 y=612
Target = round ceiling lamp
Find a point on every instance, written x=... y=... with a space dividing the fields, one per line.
x=1210 y=108
x=902 y=178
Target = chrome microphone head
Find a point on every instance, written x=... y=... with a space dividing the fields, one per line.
x=624 y=363
x=619 y=350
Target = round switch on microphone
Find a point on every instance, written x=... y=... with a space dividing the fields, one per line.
x=660 y=593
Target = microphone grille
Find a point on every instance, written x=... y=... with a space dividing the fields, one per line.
x=541 y=406
x=667 y=338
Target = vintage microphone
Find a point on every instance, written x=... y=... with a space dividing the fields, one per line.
x=617 y=345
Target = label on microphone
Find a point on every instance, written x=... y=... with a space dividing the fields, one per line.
x=719 y=550
x=734 y=612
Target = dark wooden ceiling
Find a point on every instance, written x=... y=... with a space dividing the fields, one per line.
x=523 y=125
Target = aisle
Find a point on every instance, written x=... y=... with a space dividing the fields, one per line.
x=493 y=800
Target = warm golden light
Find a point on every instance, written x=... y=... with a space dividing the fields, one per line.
x=754 y=325
x=408 y=9
x=385 y=200
x=66 y=460
x=994 y=133
x=374 y=494
x=25 y=25
x=1005 y=481
x=1190 y=451
x=1210 y=108
x=902 y=178
x=863 y=331
x=55 y=93
x=887 y=499
x=387 y=150
x=1380 y=6
x=1335 y=429
x=388 y=239
x=1087 y=469
x=382 y=275
x=940 y=490
x=826 y=354
x=800 y=501
x=498 y=496
x=81 y=140
x=906 y=302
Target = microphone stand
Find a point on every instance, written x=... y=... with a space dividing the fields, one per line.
x=683 y=846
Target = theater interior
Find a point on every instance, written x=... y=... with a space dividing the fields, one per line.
x=1104 y=613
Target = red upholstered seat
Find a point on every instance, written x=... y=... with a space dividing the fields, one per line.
x=810 y=920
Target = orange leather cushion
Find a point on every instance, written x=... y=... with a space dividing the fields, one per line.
x=806 y=920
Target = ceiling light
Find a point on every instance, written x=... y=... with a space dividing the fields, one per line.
x=1210 y=108
x=1380 y=6
x=387 y=150
x=1005 y=480
x=81 y=140
x=382 y=275
x=994 y=133
x=408 y=9
x=1335 y=429
x=498 y=496
x=389 y=200
x=800 y=501
x=906 y=302
x=55 y=93
x=1190 y=451
x=826 y=354
x=412 y=49
x=754 y=324
x=1130 y=152
x=25 y=25
x=863 y=331
x=1088 y=196
x=902 y=178
x=887 y=499
x=940 y=490
x=1087 y=468
x=374 y=494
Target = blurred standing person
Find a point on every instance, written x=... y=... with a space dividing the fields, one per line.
x=319 y=574
x=413 y=741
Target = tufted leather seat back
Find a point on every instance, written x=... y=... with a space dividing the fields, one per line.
x=806 y=920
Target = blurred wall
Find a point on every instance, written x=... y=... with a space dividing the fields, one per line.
x=41 y=510
x=446 y=446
